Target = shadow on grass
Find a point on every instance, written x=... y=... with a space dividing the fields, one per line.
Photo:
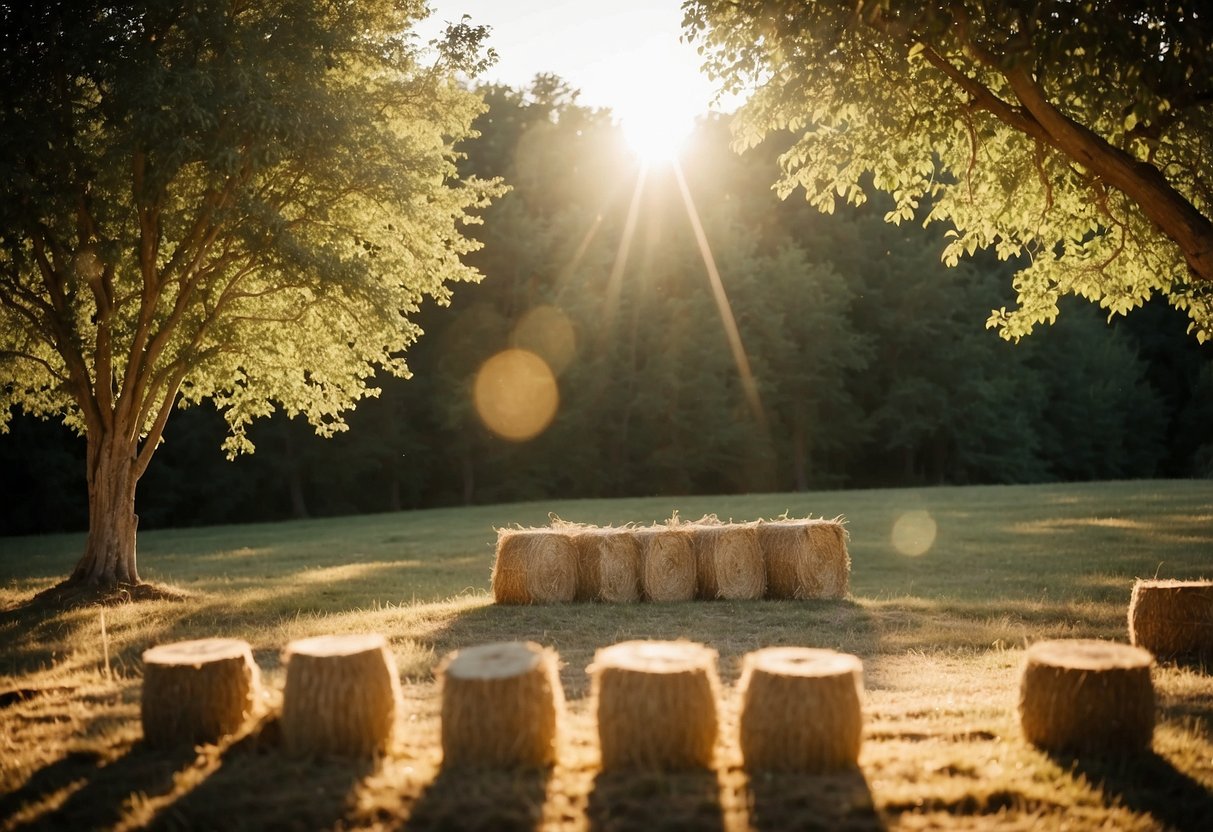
x=258 y=789
x=733 y=628
x=793 y=800
x=656 y=800
x=481 y=800
x=98 y=793
x=1148 y=784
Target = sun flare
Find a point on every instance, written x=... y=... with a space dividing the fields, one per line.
x=655 y=133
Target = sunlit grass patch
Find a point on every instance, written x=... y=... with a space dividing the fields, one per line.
x=941 y=634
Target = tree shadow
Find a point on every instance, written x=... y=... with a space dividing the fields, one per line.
x=473 y=799
x=100 y=801
x=662 y=801
x=1148 y=784
x=782 y=800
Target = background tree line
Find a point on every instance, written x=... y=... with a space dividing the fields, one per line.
x=871 y=358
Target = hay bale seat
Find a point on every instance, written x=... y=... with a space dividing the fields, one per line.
x=197 y=691
x=1173 y=619
x=656 y=704
x=805 y=558
x=501 y=705
x=341 y=695
x=1087 y=696
x=667 y=563
x=800 y=709
x=608 y=563
x=534 y=566
x=728 y=561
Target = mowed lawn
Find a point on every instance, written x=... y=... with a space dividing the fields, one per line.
x=940 y=621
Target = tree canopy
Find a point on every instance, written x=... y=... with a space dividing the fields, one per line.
x=241 y=201
x=1073 y=136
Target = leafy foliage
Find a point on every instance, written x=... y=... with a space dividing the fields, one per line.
x=237 y=201
x=1073 y=137
x=868 y=354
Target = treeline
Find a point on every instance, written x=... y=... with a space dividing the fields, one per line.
x=865 y=361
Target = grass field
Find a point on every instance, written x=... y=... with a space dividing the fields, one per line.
x=941 y=632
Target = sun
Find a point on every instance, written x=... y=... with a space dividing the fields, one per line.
x=656 y=133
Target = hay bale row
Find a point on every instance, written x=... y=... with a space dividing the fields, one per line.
x=706 y=559
x=656 y=701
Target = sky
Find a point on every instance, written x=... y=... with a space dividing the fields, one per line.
x=622 y=54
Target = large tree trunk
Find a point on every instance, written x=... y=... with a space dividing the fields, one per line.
x=109 y=554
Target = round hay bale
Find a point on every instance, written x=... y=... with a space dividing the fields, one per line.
x=667 y=562
x=197 y=691
x=805 y=558
x=656 y=704
x=608 y=565
x=1081 y=695
x=1173 y=619
x=800 y=709
x=728 y=561
x=534 y=566
x=501 y=705
x=341 y=695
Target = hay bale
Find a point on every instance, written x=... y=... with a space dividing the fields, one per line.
x=1173 y=619
x=501 y=705
x=805 y=558
x=800 y=709
x=656 y=704
x=1080 y=695
x=608 y=564
x=667 y=562
x=728 y=561
x=534 y=566
x=341 y=695
x=197 y=691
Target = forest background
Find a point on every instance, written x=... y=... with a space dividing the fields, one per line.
x=871 y=359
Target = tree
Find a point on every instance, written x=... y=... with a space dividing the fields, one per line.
x=1073 y=133
x=238 y=201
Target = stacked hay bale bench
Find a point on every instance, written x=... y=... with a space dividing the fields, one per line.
x=501 y=705
x=197 y=691
x=1087 y=697
x=672 y=562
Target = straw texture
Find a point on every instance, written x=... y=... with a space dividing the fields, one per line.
x=800 y=709
x=656 y=704
x=341 y=695
x=1173 y=619
x=667 y=563
x=1086 y=696
x=728 y=561
x=805 y=558
x=501 y=705
x=534 y=566
x=197 y=691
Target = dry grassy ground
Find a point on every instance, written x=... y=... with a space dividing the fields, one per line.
x=941 y=635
